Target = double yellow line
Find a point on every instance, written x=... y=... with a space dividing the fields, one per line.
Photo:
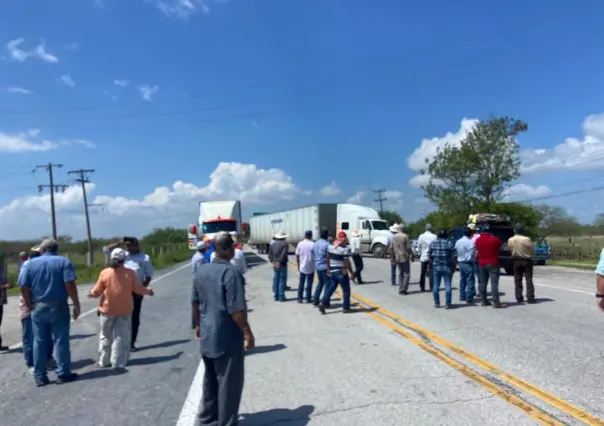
x=404 y=328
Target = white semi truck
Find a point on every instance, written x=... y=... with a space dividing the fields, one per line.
x=214 y=217
x=330 y=216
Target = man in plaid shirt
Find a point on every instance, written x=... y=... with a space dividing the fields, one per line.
x=443 y=259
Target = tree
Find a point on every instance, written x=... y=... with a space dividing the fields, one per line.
x=391 y=217
x=473 y=176
x=169 y=235
x=557 y=221
x=525 y=214
x=599 y=220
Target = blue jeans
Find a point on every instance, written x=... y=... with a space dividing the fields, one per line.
x=467 y=290
x=337 y=277
x=27 y=339
x=279 y=277
x=446 y=276
x=53 y=318
x=309 y=279
x=324 y=282
x=393 y=273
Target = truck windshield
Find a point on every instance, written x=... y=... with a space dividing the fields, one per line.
x=379 y=225
x=214 y=227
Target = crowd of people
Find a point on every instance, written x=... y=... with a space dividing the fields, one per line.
x=47 y=281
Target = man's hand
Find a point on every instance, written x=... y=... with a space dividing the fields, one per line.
x=152 y=293
x=89 y=295
x=197 y=335
x=250 y=342
x=75 y=312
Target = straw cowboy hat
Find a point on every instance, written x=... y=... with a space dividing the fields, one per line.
x=280 y=235
x=395 y=228
x=355 y=233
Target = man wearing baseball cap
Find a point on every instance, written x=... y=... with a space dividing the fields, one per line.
x=199 y=256
x=339 y=271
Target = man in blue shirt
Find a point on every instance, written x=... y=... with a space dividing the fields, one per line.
x=45 y=284
x=466 y=258
x=320 y=255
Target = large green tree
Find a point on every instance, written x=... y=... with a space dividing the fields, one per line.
x=391 y=217
x=473 y=176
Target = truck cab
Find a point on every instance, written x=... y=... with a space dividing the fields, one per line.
x=374 y=231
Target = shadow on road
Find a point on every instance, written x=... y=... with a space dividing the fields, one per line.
x=252 y=260
x=266 y=349
x=82 y=363
x=150 y=360
x=166 y=344
x=81 y=336
x=101 y=373
x=372 y=282
x=355 y=311
x=297 y=417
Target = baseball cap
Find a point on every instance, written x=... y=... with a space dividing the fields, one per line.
x=341 y=235
x=201 y=245
x=118 y=254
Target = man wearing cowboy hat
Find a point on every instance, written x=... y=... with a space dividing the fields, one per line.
x=393 y=231
x=277 y=255
x=401 y=255
x=357 y=258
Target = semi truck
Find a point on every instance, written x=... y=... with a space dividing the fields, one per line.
x=214 y=217
x=316 y=217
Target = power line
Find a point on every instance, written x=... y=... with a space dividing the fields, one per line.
x=83 y=180
x=52 y=188
x=380 y=198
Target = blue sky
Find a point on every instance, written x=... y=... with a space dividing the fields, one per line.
x=290 y=95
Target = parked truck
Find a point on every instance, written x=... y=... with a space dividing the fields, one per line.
x=214 y=217
x=330 y=216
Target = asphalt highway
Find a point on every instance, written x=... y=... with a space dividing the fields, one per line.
x=394 y=361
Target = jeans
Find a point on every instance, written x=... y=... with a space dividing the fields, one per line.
x=404 y=274
x=27 y=339
x=467 y=290
x=492 y=272
x=393 y=273
x=279 y=277
x=358 y=267
x=447 y=277
x=324 y=282
x=53 y=317
x=425 y=271
x=308 y=278
x=338 y=278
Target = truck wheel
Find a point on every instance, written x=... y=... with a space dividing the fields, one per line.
x=541 y=262
x=509 y=270
x=378 y=251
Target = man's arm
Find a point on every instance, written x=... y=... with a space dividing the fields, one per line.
x=69 y=277
x=99 y=287
x=148 y=270
x=298 y=255
x=24 y=283
x=195 y=306
x=284 y=253
x=236 y=306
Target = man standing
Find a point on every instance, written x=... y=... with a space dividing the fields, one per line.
x=393 y=232
x=4 y=286
x=277 y=255
x=401 y=255
x=466 y=257
x=220 y=313
x=488 y=247
x=199 y=258
x=475 y=236
x=339 y=271
x=357 y=255
x=45 y=283
x=522 y=250
x=442 y=258
x=423 y=243
x=140 y=263
x=320 y=256
x=306 y=267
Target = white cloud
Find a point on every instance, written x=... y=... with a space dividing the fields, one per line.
x=39 y=52
x=184 y=8
x=330 y=190
x=175 y=205
x=19 y=90
x=357 y=198
x=121 y=83
x=67 y=80
x=147 y=92
x=28 y=142
x=521 y=192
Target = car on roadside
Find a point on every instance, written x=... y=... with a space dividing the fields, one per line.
x=415 y=249
x=543 y=251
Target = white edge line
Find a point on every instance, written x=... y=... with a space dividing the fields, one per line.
x=190 y=409
x=93 y=310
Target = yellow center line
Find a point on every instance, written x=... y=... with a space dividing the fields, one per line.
x=537 y=392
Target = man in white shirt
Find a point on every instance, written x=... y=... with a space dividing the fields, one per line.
x=393 y=232
x=357 y=257
x=423 y=243
x=306 y=266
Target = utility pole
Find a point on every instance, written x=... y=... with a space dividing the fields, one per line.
x=53 y=188
x=83 y=179
x=380 y=198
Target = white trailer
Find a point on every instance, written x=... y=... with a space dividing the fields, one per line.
x=317 y=217
x=214 y=217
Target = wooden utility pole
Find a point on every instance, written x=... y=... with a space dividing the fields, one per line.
x=380 y=198
x=83 y=179
x=53 y=188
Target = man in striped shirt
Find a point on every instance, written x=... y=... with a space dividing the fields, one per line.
x=339 y=271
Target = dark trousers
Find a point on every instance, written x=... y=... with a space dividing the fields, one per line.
x=358 y=267
x=489 y=272
x=524 y=268
x=222 y=388
x=136 y=316
x=1 y=315
x=422 y=276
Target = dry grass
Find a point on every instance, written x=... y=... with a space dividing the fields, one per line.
x=580 y=249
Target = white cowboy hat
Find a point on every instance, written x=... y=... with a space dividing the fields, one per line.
x=355 y=233
x=395 y=228
x=280 y=235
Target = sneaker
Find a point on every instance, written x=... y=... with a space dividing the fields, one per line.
x=4 y=348
x=67 y=378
